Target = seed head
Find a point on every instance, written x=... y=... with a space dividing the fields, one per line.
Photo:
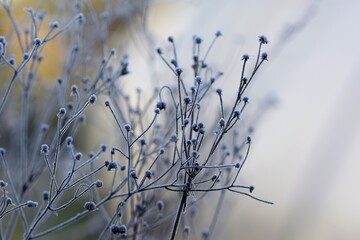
x=44 y=127
x=186 y=121
x=174 y=137
x=251 y=129
x=160 y=205
x=112 y=165
x=127 y=127
x=3 y=184
x=45 y=195
x=178 y=71
x=70 y=106
x=31 y=204
x=44 y=149
x=205 y=233
x=74 y=90
x=81 y=18
x=78 y=156
x=218 y=33
x=193 y=211
x=60 y=80
x=92 y=98
x=12 y=60
x=90 y=206
x=37 y=41
x=114 y=229
x=197 y=39
x=142 y=141
x=2 y=151
x=122 y=229
x=198 y=80
x=112 y=51
x=82 y=118
x=54 y=25
x=133 y=174
x=26 y=56
x=62 y=112
x=148 y=174
x=195 y=154
x=263 y=39
x=264 y=56
x=161 y=105
x=246 y=99
x=214 y=177
x=41 y=15
x=195 y=127
x=40 y=58
x=69 y=140
x=174 y=62
x=222 y=122
x=103 y=147
x=187 y=99
x=98 y=183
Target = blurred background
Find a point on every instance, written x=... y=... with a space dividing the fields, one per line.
x=305 y=152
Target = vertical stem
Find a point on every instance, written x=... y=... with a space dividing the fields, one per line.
x=135 y=230
x=13 y=189
x=7 y=91
x=178 y=215
x=24 y=138
x=15 y=26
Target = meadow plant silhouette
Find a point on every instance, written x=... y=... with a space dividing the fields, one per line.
x=168 y=148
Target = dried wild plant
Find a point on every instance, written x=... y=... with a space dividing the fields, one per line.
x=184 y=147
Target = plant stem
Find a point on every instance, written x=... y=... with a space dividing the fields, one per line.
x=178 y=215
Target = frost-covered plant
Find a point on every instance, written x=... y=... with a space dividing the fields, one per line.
x=187 y=145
